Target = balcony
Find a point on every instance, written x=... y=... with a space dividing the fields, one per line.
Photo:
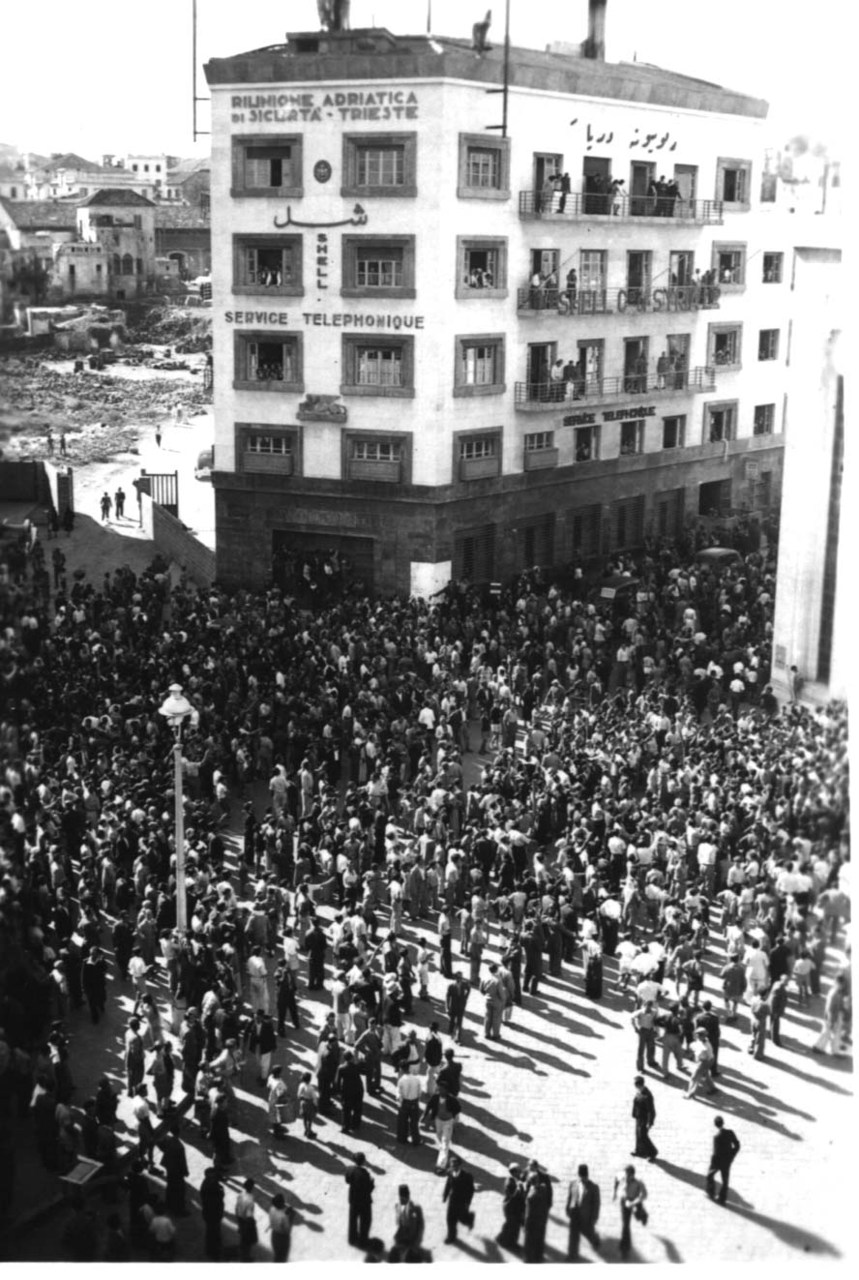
x=658 y=209
x=540 y=397
x=630 y=300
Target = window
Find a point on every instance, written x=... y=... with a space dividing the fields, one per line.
x=724 y=345
x=764 y=419
x=478 y=455
x=378 y=366
x=729 y=263
x=481 y=268
x=266 y=167
x=479 y=365
x=484 y=167
x=674 y=431
x=379 y=164
x=537 y=441
x=638 y=273
x=631 y=438
x=376 y=450
x=380 y=458
x=268 y=362
x=84 y=192
x=681 y=267
x=378 y=267
x=127 y=264
x=267 y=264
x=586 y=444
x=139 y=266
x=540 y=450
x=768 y=344
x=733 y=181
x=268 y=452
x=592 y=270
x=773 y=263
x=720 y=422
x=267 y=449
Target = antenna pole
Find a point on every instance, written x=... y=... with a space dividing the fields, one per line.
x=198 y=133
x=194 y=67
x=506 y=68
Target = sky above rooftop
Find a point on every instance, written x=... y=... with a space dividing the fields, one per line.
x=118 y=79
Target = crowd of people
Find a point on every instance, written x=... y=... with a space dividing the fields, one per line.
x=636 y=786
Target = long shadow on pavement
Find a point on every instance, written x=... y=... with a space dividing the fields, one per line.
x=782 y=1065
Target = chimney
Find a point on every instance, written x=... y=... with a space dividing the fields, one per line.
x=594 y=46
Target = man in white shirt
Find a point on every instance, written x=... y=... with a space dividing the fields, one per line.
x=757 y=969
x=258 y=975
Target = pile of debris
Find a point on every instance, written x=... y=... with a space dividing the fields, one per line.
x=185 y=329
x=100 y=413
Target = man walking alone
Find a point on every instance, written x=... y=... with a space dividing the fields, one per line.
x=726 y=1145
x=644 y=1115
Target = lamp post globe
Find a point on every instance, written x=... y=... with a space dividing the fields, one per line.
x=176 y=709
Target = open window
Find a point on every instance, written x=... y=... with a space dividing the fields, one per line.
x=267 y=166
x=267 y=265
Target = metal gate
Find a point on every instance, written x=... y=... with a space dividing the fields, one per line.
x=627 y=523
x=474 y=554
x=584 y=524
x=535 y=542
x=163 y=489
x=669 y=512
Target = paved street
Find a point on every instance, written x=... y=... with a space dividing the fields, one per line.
x=557 y=1089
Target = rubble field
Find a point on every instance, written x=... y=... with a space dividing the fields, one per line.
x=101 y=411
x=149 y=368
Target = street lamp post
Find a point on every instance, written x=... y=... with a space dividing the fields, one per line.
x=176 y=709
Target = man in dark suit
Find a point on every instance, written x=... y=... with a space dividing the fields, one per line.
x=456 y=999
x=361 y=1186
x=583 y=1211
x=458 y=1194
x=726 y=1144
x=708 y=1021
x=349 y=1085
x=644 y=1115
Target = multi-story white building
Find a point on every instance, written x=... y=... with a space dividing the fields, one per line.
x=813 y=606
x=407 y=372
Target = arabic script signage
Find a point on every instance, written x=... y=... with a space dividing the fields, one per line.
x=358 y=219
x=315 y=107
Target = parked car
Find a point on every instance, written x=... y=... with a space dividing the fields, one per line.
x=205 y=464
x=718 y=557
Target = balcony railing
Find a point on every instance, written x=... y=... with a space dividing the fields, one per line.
x=532 y=204
x=536 y=397
x=532 y=299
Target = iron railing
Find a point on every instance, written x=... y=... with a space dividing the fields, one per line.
x=597 y=204
x=539 y=396
x=533 y=299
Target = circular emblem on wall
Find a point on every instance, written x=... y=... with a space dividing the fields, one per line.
x=322 y=171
